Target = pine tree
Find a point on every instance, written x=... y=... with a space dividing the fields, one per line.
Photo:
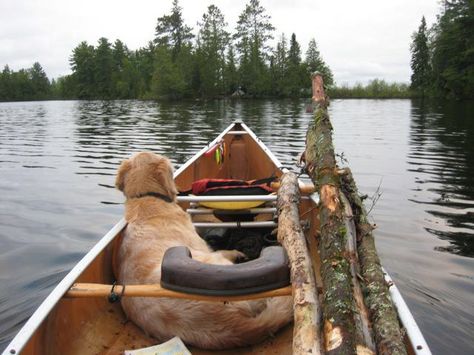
x=39 y=81
x=124 y=76
x=213 y=39
x=168 y=80
x=278 y=68
x=231 y=75
x=420 y=61
x=171 y=31
x=253 y=32
x=314 y=62
x=82 y=65
x=5 y=84
x=453 y=50
x=144 y=59
x=103 y=69
x=296 y=78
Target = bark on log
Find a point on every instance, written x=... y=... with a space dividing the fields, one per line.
x=364 y=334
x=385 y=323
x=338 y=301
x=346 y=321
x=306 y=336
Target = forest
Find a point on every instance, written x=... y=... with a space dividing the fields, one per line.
x=442 y=57
x=213 y=63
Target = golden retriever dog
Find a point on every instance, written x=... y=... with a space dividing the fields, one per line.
x=156 y=224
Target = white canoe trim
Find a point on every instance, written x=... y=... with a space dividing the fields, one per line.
x=203 y=150
x=227 y=198
x=25 y=333
x=205 y=211
x=417 y=340
x=258 y=224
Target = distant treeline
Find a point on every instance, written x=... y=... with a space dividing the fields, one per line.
x=25 y=84
x=375 y=89
x=177 y=64
x=442 y=59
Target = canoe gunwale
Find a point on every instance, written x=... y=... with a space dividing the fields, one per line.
x=27 y=331
x=413 y=332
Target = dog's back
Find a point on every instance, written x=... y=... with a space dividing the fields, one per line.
x=154 y=225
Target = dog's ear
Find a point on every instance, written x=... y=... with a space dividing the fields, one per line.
x=122 y=171
x=163 y=171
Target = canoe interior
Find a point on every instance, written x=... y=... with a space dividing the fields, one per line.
x=95 y=326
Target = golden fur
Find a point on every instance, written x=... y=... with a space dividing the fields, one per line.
x=154 y=226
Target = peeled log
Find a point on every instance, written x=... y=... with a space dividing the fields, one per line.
x=306 y=336
x=338 y=299
x=386 y=327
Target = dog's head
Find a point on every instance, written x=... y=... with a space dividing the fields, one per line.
x=146 y=172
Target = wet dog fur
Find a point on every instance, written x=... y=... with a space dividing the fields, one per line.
x=155 y=225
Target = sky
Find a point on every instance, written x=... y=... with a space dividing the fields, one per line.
x=359 y=40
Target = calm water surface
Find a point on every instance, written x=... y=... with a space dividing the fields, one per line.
x=58 y=160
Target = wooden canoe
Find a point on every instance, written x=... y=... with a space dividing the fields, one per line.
x=76 y=318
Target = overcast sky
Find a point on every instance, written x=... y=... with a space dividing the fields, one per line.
x=359 y=40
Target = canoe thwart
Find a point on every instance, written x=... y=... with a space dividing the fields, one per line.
x=179 y=272
x=91 y=290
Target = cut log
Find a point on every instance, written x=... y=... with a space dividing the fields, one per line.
x=338 y=301
x=346 y=325
x=364 y=334
x=385 y=323
x=306 y=331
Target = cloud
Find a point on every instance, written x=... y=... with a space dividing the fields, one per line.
x=359 y=40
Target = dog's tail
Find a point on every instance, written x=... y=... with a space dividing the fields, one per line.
x=229 y=325
x=269 y=316
x=277 y=313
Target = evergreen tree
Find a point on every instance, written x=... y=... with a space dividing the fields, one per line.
x=124 y=75
x=253 y=32
x=231 y=77
x=279 y=66
x=5 y=84
x=294 y=54
x=314 y=62
x=453 y=50
x=144 y=62
x=213 y=39
x=420 y=60
x=171 y=31
x=168 y=80
x=296 y=77
x=103 y=69
x=83 y=67
x=39 y=81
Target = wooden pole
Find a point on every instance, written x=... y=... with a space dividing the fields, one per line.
x=88 y=290
x=306 y=330
x=305 y=189
x=338 y=300
x=388 y=334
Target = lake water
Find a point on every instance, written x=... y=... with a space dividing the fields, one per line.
x=58 y=161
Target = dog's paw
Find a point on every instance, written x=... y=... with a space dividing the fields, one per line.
x=234 y=255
